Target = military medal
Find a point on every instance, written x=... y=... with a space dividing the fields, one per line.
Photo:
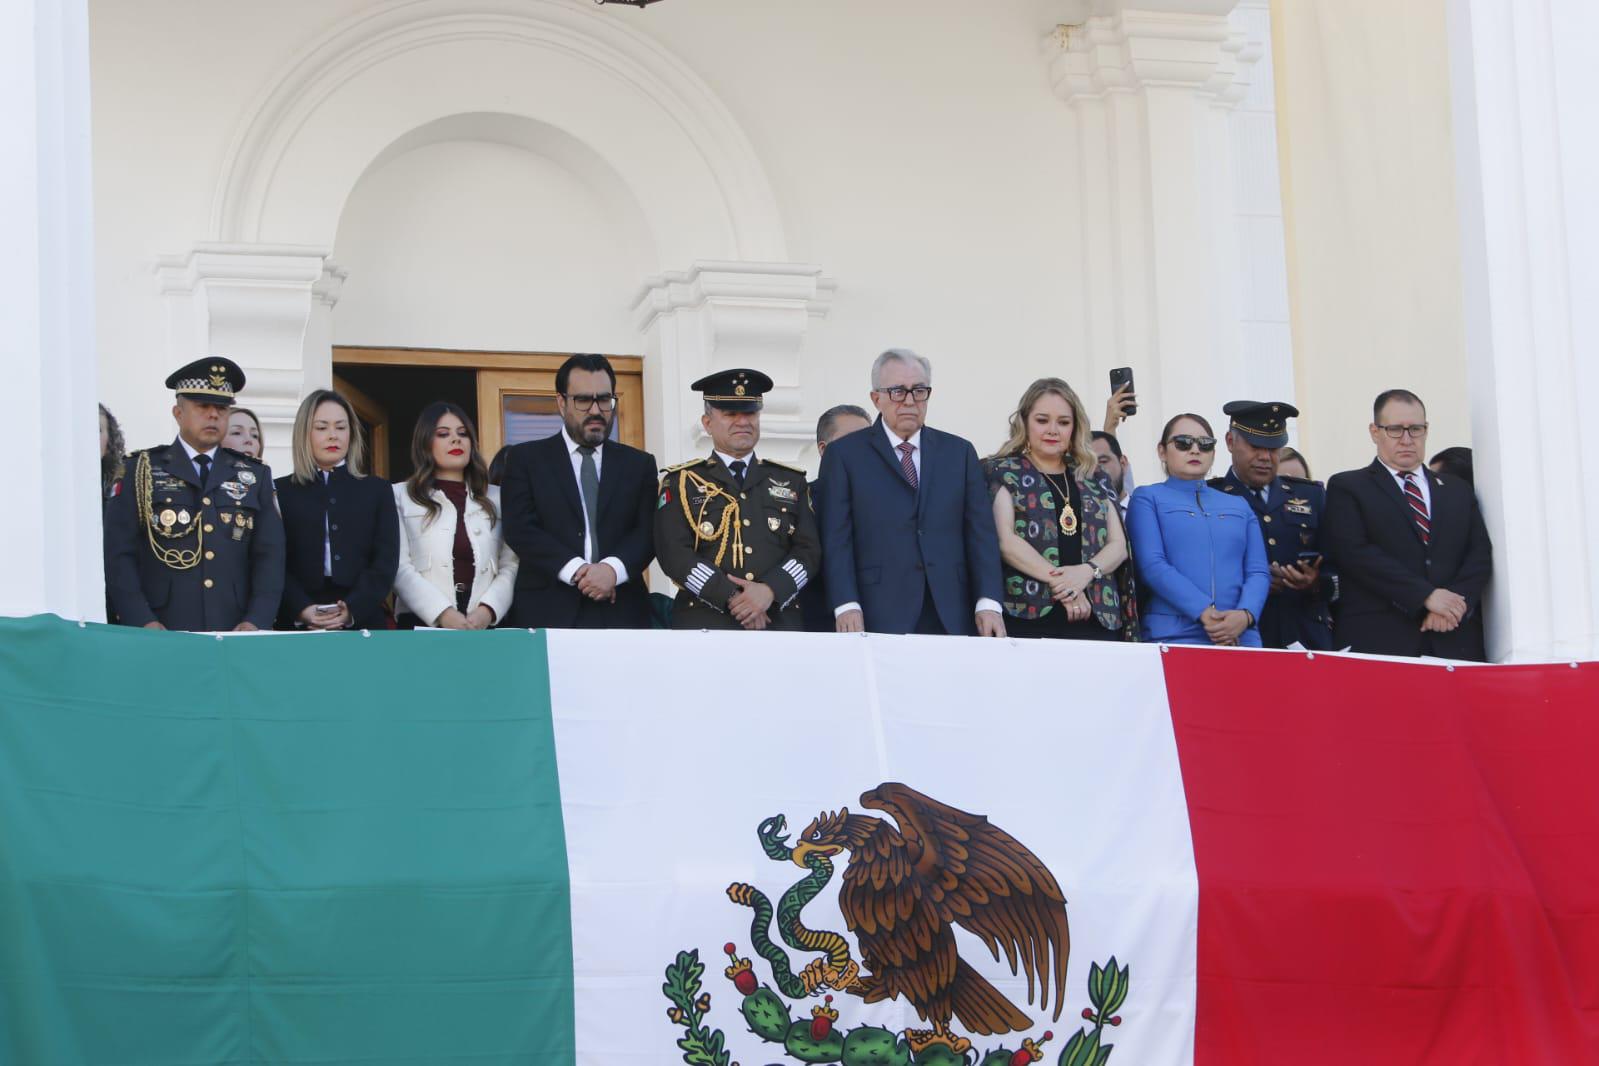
x=238 y=531
x=183 y=517
x=235 y=491
x=227 y=516
x=774 y=523
x=707 y=529
x=246 y=477
x=169 y=518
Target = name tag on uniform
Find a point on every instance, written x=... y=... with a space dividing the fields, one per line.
x=1297 y=506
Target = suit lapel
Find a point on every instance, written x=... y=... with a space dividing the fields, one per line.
x=1390 y=488
x=561 y=459
x=925 y=474
x=1247 y=493
x=178 y=464
x=610 y=478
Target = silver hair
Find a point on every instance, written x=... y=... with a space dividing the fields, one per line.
x=900 y=355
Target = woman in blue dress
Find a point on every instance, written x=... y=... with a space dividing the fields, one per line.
x=1198 y=552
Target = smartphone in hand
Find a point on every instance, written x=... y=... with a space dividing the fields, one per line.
x=1120 y=376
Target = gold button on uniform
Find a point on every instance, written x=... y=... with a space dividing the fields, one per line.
x=210 y=555
x=749 y=551
x=208 y=582
x=206 y=500
x=749 y=577
x=746 y=521
x=209 y=528
x=1272 y=541
x=1265 y=518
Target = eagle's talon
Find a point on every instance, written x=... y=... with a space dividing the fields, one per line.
x=922 y=1039
x=843 y=978
x=814 y=976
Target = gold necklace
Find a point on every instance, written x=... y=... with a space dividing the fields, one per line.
x=1068 y=517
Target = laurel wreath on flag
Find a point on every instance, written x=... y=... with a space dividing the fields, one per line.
x=818 y=1040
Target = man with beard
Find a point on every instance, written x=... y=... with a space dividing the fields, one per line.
x=578 y=510
x=1290 y=510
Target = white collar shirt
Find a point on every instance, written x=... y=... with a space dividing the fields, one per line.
x=192 y=452
x=1421 y=481
x=573 y=565
x=915 y=441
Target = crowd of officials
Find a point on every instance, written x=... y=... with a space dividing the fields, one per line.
x=905 y=530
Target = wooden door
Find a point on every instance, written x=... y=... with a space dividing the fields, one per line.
x=519 y=405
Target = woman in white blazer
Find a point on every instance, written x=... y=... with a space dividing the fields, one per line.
x=456 y=571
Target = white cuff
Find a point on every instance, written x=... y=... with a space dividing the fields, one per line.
x=989 y=605
x=616 y=564
x=564 y=576
x=843 y=607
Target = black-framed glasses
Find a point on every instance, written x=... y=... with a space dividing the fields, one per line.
x=1416 y=431
x=587 y=401
x=898 y=393
x=1184 y=443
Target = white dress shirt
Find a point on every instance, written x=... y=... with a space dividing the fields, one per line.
x=212 y=455
x=1421 y=481
x=574 y=564
x=915 y=441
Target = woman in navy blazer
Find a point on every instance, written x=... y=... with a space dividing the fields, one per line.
x=1198 y=551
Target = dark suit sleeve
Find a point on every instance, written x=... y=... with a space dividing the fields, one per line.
x=536 y=548
x=1348 y=543
x=982 y=539
x=804 y=556
x=266 y=560
x=636 y=548
x=128 y=601
x=1477 y=567
x=383 y=558
x=294 y=598
x=838 y=532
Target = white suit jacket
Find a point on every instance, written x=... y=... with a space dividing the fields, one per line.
x=425 y=582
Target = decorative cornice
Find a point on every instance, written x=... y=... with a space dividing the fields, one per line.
x=771 y=285
x=1137 y=49
x=279 y=264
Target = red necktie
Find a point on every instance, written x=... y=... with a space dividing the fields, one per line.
x=1418 y=506
x=906 y=464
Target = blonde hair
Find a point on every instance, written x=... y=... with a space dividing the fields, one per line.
x=305 y=468
x=1080 y=452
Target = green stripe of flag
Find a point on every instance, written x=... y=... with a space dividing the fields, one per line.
x=330 y=849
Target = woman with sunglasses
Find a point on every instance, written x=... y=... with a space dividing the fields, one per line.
x=1198 y=551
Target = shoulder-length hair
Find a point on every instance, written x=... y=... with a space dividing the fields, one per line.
x=419 y=486
x=305 y=467
x=116 y=450
x=1080 y=453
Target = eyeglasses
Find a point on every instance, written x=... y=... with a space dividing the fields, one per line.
x=1416 y=432
x=898 y=393
x=584 y=401
x=1184 y=443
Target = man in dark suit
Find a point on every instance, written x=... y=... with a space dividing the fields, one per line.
x=835 y=422
x=578 y=513
x=1289 y=510
x=908 y=540
x=193 y=541
x=1410 y=545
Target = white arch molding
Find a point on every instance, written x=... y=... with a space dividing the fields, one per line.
x=652 y=132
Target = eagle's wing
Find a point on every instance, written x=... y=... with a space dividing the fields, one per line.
x=981 y=878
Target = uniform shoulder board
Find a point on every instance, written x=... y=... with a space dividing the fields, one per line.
x=1299 y=480
x=1220 y=483
x=685 y=466
x=785 y=466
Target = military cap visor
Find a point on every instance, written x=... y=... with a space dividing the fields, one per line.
x=734 y=390
x=1264 y=425
x=212 y=380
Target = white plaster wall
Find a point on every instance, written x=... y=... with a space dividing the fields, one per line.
x=470 y=244
x=916 y=152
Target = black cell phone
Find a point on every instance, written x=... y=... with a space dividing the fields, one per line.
x=1310 y=558
x=1119 y=376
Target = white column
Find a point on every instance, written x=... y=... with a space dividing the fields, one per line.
x=1180 y=211
x=717 y=315
x=266 y=307
x=1527 y=151
x=50 y=547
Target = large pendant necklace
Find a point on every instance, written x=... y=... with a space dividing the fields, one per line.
x=1068 y=517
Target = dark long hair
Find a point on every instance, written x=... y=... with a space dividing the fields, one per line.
x=116 y=450
x=419 y=486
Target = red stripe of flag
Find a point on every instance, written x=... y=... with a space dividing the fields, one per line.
x=1397 y=863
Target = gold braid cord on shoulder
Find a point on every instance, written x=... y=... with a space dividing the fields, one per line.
x=729 y=527
x=143 y=494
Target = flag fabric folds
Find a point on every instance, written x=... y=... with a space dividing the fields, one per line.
x=654 y=848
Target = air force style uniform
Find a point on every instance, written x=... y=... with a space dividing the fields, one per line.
x=710 y=523
x=193 y=551
x=1290 y=510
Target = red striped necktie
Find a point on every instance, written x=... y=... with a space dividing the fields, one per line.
x=1418 y=506
x=908 y=464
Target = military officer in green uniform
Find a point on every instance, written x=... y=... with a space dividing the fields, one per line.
x=194 y=540
x=736 y=532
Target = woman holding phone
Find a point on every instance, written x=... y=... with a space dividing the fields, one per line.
x=456 y=571
x=1198 y=552
x=343 y=535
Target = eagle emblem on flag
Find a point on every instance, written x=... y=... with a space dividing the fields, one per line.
x=908 y=880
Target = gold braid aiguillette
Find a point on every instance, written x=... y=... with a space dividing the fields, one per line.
x=729 y=527
x=144 y=495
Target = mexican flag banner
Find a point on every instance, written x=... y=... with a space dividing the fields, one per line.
x=659 y=848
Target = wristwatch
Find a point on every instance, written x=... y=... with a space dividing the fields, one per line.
x=1098 y=573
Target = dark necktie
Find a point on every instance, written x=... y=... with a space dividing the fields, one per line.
x=1418 y=506
x=1260 y=494
x=203 y=462
x=738 y=466
x=908 y=464
x=589 y=481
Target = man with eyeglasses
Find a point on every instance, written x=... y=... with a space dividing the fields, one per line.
x=908 y=540
x=1289 y=510
x=735 y=531
x=578 y=510
x=1410 y=545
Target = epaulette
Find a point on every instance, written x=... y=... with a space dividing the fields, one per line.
x=786 y=466
x=1222 y=483
x=1301 y=480
x=685 y=466
x=240 y=455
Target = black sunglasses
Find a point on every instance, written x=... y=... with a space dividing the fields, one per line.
x=1184 y=443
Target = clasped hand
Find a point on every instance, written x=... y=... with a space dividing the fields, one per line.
x=1066 y=585
x=1445 y=611
x=1223 y=627
x=597 y=581
x=750 y=603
